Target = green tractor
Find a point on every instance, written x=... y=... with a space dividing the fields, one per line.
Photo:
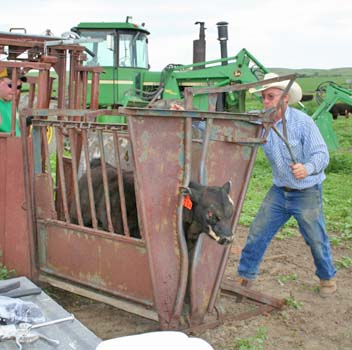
x=327 y=95
x=128 y=80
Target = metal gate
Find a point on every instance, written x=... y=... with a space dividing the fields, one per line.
x=151 y=272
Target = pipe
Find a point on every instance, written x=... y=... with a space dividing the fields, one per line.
x=223 y=37
x=199 y=47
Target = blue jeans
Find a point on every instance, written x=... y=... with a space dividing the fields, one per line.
x=277 y=207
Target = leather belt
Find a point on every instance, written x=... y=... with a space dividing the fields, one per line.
x=288 y=189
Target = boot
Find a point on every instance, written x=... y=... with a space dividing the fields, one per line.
x=328 y=287
x=244 y=282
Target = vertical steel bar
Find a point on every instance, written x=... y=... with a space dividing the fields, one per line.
x=78 y=90
x=84 y=89
x=184 y=261
x=29 y=193
x=105 y=181
x=71 y=85
x=46 y=153
x=205 y=148
x=14 y=101
x=120 y=184
x=60 y=173
x=94 y=99
x=72 y=137
x=89 y=179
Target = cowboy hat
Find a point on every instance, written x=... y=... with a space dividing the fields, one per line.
x=294 y=94
x=7 y=73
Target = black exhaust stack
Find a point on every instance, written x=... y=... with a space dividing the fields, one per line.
x=199 y=46
x=223 y=37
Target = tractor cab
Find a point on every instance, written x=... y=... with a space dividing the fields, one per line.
x=122 y=51
x=123 y=44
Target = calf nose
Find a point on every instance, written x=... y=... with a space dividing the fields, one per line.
x=225 y=240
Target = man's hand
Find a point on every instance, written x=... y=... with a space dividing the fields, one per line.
x=299 y=171
x=176 y=107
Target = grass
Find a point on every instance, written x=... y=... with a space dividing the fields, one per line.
x=255 y=342
x=293 y=303
x=5 y=273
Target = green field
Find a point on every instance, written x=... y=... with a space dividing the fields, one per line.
x=309 y=79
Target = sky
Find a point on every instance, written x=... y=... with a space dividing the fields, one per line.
x=278 y=33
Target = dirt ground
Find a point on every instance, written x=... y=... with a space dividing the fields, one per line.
x=309 y=322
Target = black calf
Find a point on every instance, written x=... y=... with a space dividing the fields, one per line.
x=340 y=109
x=209 y=210
x=99 y=199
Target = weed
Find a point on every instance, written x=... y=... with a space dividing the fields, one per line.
x=335 y=241
x=5 y=273
x=253 y=343
x=293 y=303
x=285 y=278
x=286 y=232
x=344 y=263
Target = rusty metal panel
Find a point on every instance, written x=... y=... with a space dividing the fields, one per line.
x=203 y=274
x=15 y=247
x=44 y=196
x=99 y=260
x=226 y=160
x=159 y=160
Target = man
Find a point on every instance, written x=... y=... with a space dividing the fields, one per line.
x=6 y=98
x=296 y=189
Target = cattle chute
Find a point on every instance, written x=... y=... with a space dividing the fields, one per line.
x=149 y=276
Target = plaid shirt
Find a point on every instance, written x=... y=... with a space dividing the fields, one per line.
x=308 y=147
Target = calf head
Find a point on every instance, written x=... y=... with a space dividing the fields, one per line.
x=211 y=212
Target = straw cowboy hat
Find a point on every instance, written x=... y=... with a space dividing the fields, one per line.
x=294 y=94
x=7 y=73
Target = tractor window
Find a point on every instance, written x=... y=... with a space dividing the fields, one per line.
x=99 y=54
x=133 y=50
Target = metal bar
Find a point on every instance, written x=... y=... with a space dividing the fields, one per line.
x=14 y=102
x=61 y=173
x=78 y=124
x=252 y=294
x=280 y=105
x=89 y=180
x=121 y=185
x=94 y=96
x=105 y=182
x=240 y=87
x=73 y=137
x=84 y=88
x=283 y=138
x=29 y=194
x=205 y=148
x=184 y=260
x=78 y=91
x=33 y=65
x=188 y=113
x=70 y=112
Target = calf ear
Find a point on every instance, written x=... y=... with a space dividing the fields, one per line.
x=192 y=192
x=195 y=191
x=227 y=187
x=185 y=190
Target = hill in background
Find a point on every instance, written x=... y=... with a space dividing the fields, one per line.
x=310 y=78
x=347 y=72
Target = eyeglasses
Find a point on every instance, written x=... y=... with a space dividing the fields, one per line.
x=270 y=96
x=18 y=86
